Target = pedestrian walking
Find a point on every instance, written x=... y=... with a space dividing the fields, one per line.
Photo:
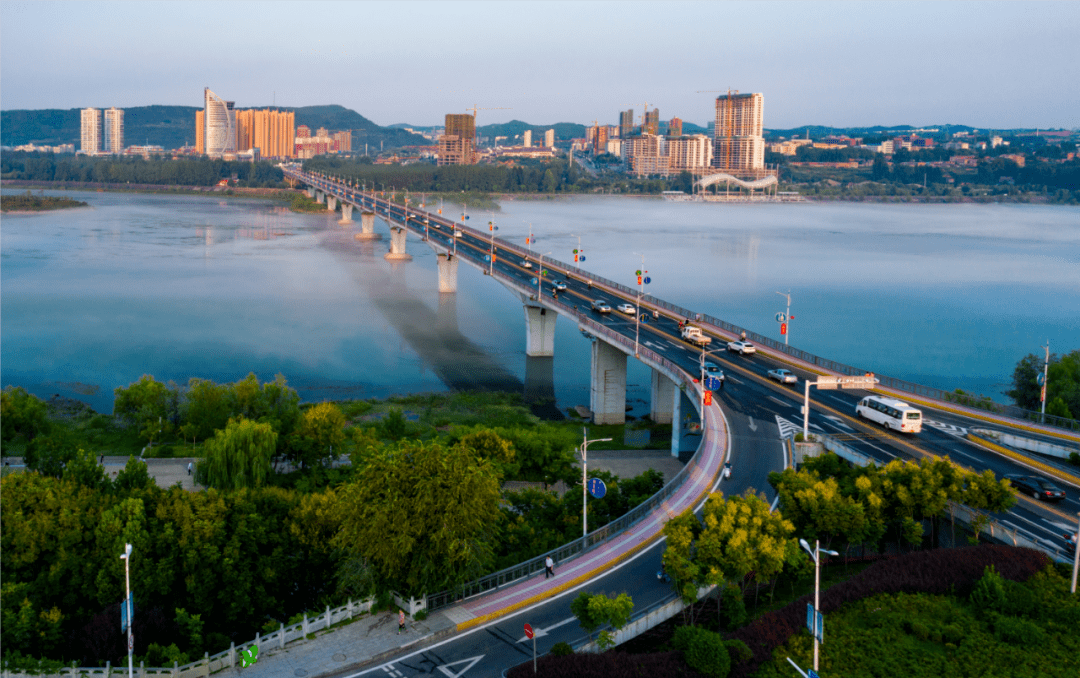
x=189 y=468
x=400 y=621
x=549 y=567
x=102 y=460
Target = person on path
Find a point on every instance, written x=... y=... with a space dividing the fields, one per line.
x=549 y=567
x=102 y=461
x=400 y=621
x=189 y=468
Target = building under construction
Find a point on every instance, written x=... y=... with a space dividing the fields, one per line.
x=457 y=144
x=738 y=144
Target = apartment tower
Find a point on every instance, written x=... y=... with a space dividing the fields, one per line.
x=220 y=125
x=91 y=131
x=272 y=132
x=113 y=131
x=652 y=122
x=527 y=140
x=456 y=144
x=549 y=138
x=626 y=123
x=738 y=144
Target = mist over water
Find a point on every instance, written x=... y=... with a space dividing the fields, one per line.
x=947 y=295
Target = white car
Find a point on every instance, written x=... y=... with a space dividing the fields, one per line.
x=527 y=263
x=601 y=306
x=783 y=376
x=628 y=309
x=741 y=347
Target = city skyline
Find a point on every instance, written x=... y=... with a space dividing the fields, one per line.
x=989 y=65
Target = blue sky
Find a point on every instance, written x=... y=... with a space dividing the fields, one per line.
x=998 y=65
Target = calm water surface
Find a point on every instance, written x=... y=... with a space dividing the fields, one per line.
x=947 y=295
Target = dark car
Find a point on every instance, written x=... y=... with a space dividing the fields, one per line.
x=1039 y=488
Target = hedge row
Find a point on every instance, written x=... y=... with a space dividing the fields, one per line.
x=606 y=665
x=937 y=572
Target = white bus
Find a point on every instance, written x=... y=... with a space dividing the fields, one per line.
x=890 y=413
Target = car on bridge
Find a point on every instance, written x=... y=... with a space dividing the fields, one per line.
x=1038 y=488
x=561 y=286
x=601 y=306
x=526 y=263
x=712 y=370
x=783 y=376
x=742 y=347
x=628 y=309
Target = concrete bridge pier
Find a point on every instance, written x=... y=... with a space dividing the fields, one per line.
x=540 y=333
x=662 y=399
x=331 y=203
x=346 y=213
x=310 y=192
x=318 y=195
x=676 y=422
x=367 y=226
x=608 y=392
x=447 y=264
x=397 y=245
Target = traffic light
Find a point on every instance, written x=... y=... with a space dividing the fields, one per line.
x=708 y=398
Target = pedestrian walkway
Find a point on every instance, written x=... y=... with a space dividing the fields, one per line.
x=366 y=640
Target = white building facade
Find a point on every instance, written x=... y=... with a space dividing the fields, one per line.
x=90 y=131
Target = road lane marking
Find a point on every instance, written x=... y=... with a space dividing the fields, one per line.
x=540 y=633
x=472 y=661
x=838 y=422
x=782 y=402
x=753 y=426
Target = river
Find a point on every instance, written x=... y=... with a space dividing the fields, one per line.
x=180 y=286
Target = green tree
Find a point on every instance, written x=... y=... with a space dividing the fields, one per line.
x=320 y=430
x=423 y=516
x=238 y=456
x=487 y=444
x=21 y=414
x=147 y=404
x=205 y=408
x=595 y=611
x=50 y=453
x=880 y=170
x=680 y=560
x=83 y=469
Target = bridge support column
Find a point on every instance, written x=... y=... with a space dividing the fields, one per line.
x=540 y=333
x=367 y=227
x=319 y=195
x=608 y=401
x=310 y=192
x=447 y=265
x=662 y=399
x=331 y=203
x=346 y=213
x=397 y=245
x=676 y=422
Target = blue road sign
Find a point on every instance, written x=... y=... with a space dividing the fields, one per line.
x=811 y=673
x=647 y=280
x=820 y=631
x=125 y=607
x=597 y=488
x=487 y=257
x=713 y=384
x=534 y=281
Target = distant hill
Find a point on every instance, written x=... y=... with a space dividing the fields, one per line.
x=173 y=126
x=563 y=130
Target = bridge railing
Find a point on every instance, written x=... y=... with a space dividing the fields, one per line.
x=824 y=363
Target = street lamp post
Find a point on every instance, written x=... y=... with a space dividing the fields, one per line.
x=585 y=480
x=491 y=245
x=815 y=554
x=787 y=315
x=1045 y=375
x=540 y=274
x=126 y=557
x=637 y=312
x=701 y=375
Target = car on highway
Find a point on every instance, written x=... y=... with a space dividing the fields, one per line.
x=628 y=309
x=1038 y=488
x=559 y=285
x=527 y=263
x=601 y=306
x=741 y=347
x=713 y=370
x=783 y=376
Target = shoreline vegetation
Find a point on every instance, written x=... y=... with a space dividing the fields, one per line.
x=28 y=203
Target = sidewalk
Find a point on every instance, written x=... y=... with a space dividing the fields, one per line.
x=366 y=640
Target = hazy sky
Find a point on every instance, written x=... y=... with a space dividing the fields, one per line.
x=998 y=65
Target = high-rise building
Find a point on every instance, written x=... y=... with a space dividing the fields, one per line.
x=646 y=155
x=652 y=122
x=674 y=128
x=113 y=131
x=272 y=132
x=738 y=143
x=456 y=144
x=598 y=135
x=220 y=120
x=626 y=123
x=527 y=140
x=549 y=138
x=688 y=153
x=343 y=140
x=91 y=131
x=200 y=132
x=303 y=132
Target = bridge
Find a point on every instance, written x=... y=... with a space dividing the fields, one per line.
x=743 y=425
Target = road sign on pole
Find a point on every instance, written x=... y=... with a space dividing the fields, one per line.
x=528 y=631
x=597 y=488
x=529 y=634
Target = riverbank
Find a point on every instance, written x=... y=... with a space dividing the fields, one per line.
x=212 y=191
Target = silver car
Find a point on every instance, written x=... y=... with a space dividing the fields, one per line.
x=783 y=376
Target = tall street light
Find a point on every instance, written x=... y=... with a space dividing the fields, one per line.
x=815 y=554
x=787 y=316
x=540 y=274
x=585 y=480
x=126 y=557
x=701 y=375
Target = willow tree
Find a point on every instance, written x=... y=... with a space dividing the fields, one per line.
x=238 y=456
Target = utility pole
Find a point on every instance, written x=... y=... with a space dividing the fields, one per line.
x=585 y=480
x=1046 y=372
x=130 y=607
x=785 y=325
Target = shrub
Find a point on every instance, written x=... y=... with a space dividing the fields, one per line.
x=738 y=651
x=1018 y=631
x=606 y=665
x=703 y=650
x=561 y=649
x=734 y=607
x=989 y=591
